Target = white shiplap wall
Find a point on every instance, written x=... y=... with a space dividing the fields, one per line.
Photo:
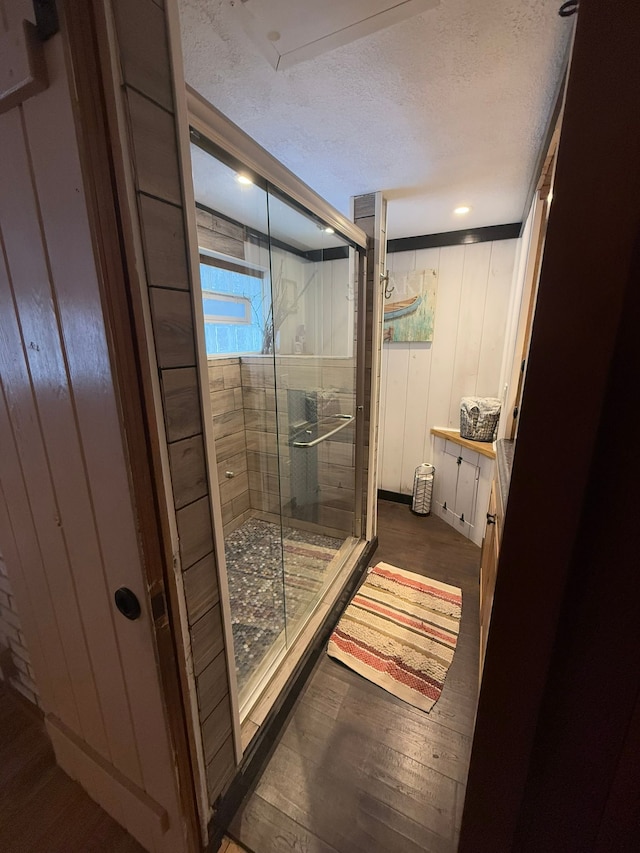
x=422 y=384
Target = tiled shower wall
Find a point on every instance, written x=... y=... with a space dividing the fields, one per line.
x=225 y=391
x=243 y=400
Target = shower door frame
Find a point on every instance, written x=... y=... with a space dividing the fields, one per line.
x=218 y=129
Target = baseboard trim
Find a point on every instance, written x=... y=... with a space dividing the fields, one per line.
x=384 y=495
x=127 y=804
x=263 y=744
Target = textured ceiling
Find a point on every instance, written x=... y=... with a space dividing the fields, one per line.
x=445 y=109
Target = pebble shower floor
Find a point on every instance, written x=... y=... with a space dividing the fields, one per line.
x=259 y=554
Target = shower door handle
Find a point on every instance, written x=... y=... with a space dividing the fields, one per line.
x=346 y=420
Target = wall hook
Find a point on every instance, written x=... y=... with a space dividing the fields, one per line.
x=569 y=8
x=387 y=290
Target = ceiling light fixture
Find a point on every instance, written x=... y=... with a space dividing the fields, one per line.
x=460 y=211
x=245 y=180
x=329 y=230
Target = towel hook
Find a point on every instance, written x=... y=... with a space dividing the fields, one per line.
x=387 y=290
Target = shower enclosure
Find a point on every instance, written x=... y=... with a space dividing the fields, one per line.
x=279 y=297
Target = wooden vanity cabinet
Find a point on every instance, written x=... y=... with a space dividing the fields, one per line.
x=489 y=566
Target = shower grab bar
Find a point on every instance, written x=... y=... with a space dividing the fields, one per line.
x=346 y=419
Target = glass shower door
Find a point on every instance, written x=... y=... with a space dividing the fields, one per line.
x=279 y=302
x=313 y=329
x=232 y=225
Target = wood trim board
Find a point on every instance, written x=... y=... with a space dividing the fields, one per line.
x=465 y=236
x=483 y=447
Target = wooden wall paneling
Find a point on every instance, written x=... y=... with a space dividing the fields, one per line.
x=230 y=752
x=138 y=725
x=25 y=249
x=216 y=728
x=173 y=327
x=443 y=349
x=465 y=355
x=131 y=700
x=194 y=530
x=200 y=586
x=107 y=139
x=494 y=326
x=181 y=395
x=207 y=639
x=163 y=239
x=477 y=260
x=25 y=523
x=188 y=470
x=384 y=376
x=163 y=159
x=156 y=162
x=416 y=429
x=394 y=420
x=220 y=768
x=145 y=61
x=212 y=684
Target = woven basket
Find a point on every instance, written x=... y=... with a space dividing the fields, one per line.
x=479 y=418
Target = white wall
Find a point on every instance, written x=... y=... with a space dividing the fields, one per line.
x=327 y=307
x=422 y=384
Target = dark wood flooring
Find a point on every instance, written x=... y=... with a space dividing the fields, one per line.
x=41 y=809
x=357 y=770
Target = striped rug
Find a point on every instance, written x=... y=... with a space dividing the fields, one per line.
x=400 y=631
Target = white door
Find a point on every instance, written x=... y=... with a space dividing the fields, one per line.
x=67 y=522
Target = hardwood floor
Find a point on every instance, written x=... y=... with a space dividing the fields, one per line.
x=357 y=770
x=41 y=809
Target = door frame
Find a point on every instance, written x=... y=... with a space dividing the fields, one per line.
x=579 y=331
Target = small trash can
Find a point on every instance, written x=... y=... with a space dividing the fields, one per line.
x=422 y=489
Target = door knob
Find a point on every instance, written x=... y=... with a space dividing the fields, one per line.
x=491 y=518
x=127 y=603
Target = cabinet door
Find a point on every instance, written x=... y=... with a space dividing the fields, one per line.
x=446 y=481
x=488 y=571
x=467 y=491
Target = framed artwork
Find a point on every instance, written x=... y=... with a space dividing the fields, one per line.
x=410 y=307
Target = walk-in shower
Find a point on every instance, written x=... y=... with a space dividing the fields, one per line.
x=279 y=297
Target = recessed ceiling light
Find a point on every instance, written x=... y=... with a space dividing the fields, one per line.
x=245 y=180
x=460 y=211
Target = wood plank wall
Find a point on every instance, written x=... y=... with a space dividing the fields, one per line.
x=142 y=38
x=67 y=522
x=423 y=383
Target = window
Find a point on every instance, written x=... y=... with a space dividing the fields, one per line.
x=235 y=300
